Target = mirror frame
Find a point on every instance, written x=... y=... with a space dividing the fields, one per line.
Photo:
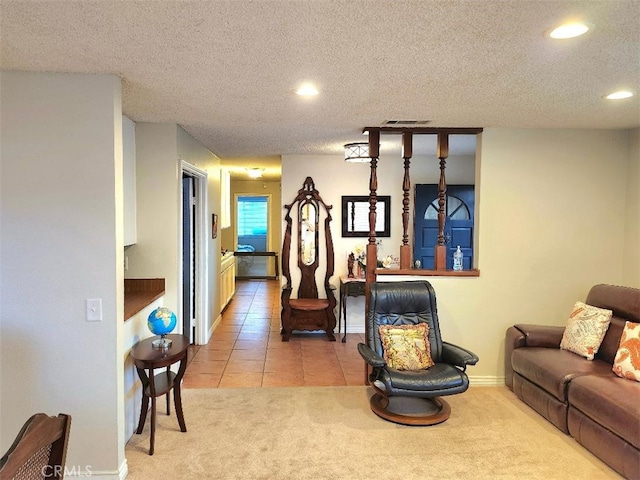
x=384 y=199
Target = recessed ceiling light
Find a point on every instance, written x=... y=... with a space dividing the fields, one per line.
x=569 y=30
x=619 y=95
x=255 y=172
x=307 y=90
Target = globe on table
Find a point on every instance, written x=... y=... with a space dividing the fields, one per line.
x=161 y=321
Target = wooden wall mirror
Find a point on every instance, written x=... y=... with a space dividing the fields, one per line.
x=308 y=233
x=355 y=216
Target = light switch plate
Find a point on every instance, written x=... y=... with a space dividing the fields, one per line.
x=94 y=309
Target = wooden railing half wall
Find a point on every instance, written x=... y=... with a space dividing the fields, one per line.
x=406 y=254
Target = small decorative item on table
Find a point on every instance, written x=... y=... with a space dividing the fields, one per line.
x=351 y=260
x=161 y=322
x=360 y=257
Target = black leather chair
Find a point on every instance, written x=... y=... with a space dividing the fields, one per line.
x=411 y=303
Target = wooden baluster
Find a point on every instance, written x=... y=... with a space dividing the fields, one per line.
x=441 y=248
x=374 y=152
x=407 y=153
x=372 y=248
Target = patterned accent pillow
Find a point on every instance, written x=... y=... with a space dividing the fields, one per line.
x=585 y=329
x=627 y=361
x=406 y=347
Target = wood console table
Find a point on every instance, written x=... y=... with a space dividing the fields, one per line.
x=349 y=287
x=146 y=358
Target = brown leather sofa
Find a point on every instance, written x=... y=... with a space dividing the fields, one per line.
x=583 y=398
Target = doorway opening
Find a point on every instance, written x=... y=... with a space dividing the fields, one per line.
x=252 y=236
x=193 y=278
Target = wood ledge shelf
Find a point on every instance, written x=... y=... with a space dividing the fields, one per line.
x=139 y=293
x=428 y=273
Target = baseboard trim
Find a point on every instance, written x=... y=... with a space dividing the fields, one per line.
x=486 y=381
x=76 y=471
x=212 y=328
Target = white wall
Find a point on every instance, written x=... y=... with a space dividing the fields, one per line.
x=551 y=223
x=61 y=236
x=632 y=221
x=157 y=253
x=134 y=330
x=129 y=180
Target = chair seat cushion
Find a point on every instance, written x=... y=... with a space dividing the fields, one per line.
x=309 y=304
x=439 y=377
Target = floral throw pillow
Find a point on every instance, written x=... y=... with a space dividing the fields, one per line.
x=585 y=329
x=627 y=361
x=406 y=347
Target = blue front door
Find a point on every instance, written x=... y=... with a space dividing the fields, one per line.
x=458 y=226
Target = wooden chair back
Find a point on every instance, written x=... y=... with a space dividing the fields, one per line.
x=39 y=450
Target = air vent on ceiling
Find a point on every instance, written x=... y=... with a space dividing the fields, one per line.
x=392 y=123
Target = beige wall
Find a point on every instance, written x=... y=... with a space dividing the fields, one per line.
x=192 y=152
x=157 y=253
x=61 y=233
x=632 y=222
x=551 y=223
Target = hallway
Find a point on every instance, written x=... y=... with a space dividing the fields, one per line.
x=246 y=349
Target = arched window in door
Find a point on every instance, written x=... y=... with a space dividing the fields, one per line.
x=455 y=209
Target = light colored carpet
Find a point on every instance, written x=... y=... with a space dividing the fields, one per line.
x=331 y=433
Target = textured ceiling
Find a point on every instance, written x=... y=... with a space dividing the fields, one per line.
x=226 y=70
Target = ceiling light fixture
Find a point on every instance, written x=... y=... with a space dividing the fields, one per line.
x=307 y=90
x=570 y=30
x=356 y=152
x=619 y=95
x=255 y=172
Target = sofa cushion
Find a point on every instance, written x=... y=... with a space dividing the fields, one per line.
x=619 y=454
x=611 y=402
x=551 y=368
x=627 y=361
x=585 y=329
x=541 y=401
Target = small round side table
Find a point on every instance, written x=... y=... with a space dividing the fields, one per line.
x=146 y=357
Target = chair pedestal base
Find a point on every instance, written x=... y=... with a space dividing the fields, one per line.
x=410 y=410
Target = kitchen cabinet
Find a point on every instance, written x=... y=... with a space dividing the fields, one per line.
x=227 y=279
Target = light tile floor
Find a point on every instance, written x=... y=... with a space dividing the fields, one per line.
x=246 y=349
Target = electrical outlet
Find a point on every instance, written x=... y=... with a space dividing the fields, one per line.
x=94 y=309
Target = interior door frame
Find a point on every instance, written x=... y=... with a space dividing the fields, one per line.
x=201 y=307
